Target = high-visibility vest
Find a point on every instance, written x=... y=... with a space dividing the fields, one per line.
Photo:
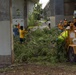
x=63 y=35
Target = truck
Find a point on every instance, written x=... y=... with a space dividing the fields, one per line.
x=69 y=36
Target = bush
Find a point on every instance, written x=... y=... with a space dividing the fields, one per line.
x=40 y=45
x=32 y=21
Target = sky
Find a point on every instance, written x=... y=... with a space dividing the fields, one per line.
x=43 y=2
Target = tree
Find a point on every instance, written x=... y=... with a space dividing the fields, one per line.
x=37 y=11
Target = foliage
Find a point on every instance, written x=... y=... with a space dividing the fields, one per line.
x=31 y=20
x=40 y=45
x=37 y=11
x=35 y=15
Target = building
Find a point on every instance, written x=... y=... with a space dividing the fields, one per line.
x=57 y=10
x=12 y=12
x=47 y=11
x=20 y=11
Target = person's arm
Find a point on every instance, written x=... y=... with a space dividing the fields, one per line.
x=26 y=31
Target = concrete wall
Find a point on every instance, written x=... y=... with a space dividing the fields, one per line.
x=5 y=44
x=52 y=7
x=30 y=6
x=55 y=10
x=69 y=18
x=47 y=11
x=28 y=9
x=69 y=9
x=16 y=21
x=18 y=4
x=53 y=24
x=60 y=9
x=5 y=33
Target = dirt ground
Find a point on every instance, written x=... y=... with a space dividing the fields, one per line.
x=39 y=69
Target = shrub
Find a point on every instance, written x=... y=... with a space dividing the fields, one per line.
x=40 y=45
x=32 y=21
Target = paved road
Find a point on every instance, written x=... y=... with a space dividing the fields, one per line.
x=40 y=27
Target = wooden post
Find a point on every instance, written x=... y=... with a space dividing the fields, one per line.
x=11 y=34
